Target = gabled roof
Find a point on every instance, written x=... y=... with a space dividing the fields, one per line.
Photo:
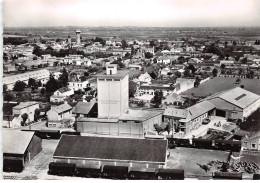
x=139 y=115
x=62 y=108
x=24 y=105
x=237 y=96
x=178 y=113
x=105 y=148
x=83 y=107
x=44 y=73
x=16 y=142
x=156 y=87
x=199 y=109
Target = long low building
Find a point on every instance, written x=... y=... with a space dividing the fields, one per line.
x=134 y=123
x=236 y=103
x=40 y=75
x=99 y=151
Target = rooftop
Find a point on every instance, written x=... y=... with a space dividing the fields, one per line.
x=157 y=87
x=16 y=142
x=139 y=115
x=118 y=75
x=62 y=108
x=83 y=107
x=104 y=148
x=237 y=96
x=24 y=105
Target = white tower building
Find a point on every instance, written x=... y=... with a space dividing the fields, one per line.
x=112 y=92
x=78 y=36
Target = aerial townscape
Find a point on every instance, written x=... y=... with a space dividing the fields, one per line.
x=131 y=102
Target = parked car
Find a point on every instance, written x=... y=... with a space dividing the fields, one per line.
x=206 y=121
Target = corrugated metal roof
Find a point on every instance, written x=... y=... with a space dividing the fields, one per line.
x=237 y=96
x=16 y=142
x=44 y=73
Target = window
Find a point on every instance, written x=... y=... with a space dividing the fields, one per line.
x=253 y=145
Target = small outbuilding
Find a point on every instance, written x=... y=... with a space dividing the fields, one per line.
x=19 y=147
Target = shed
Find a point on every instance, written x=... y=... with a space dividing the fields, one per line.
x=19 y=147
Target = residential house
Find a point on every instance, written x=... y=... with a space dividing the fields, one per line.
x=78 y=85
x=60 y=116
x=173 y=100
x=164 y=60
x=150 y=89
x=145 y=78
x=135 y=67
x=61 y=94
x=22 y=108
x=252 y=141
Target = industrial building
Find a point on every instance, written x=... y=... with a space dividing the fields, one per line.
x=40 y=75
x=100 y=151
x=236 y=103
x=19 y=147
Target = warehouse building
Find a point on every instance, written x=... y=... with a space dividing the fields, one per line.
x=40 y=75
x=19 y=147
x=100 y=151
x=236 y=103
x=133 y=123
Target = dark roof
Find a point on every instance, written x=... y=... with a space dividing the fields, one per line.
x=157 y=87
x=83 y=107
x=104 y=148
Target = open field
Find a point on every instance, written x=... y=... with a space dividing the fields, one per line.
x=171 y=33
x=219 y=84
x=187 y=159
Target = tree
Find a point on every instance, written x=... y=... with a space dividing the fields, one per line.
x=148 y=55
x=244 y=60
x=215 y=72
x=64 y=78
x=32 y=83
x=19 y=86
x=240 y=71
x=234 y=43
x=192 y=68
x=24 y=117
x=124 y=44
x=127 y=55
x=5 y=88
x=157 y=99
x=187 y=73
x=168 y=127
x=52 y=85
x=158 y=128
x=132 y=88
x=36 y=114
x=153 y=75
x=223 y=66
x=43 y=90
x=152 y=43
x=238 y=80
x=8 y=97
x=197 y=82
x=177 y=74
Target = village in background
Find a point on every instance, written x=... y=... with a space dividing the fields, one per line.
x=131 y=103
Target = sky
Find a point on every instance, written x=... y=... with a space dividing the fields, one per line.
x=145 y=13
